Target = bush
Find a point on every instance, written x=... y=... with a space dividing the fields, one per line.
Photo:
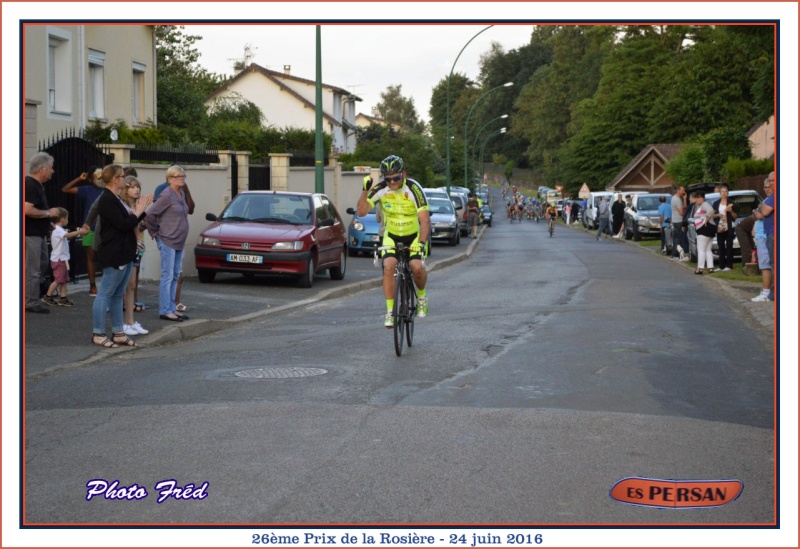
x=734 y=169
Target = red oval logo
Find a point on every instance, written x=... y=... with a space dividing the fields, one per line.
x=676 y=494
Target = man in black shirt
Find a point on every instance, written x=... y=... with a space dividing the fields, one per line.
x=37 y=227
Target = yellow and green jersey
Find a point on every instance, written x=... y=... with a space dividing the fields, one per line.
x=400 y=207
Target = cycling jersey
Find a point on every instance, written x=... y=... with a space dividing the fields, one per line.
x=552 y=212
x=400 y=207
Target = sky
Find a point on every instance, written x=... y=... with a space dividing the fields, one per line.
x=364 y=59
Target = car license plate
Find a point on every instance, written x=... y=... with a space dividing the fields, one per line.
x=239 y=258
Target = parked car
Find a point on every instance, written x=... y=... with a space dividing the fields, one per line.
x=434 y=193
x=486 y=217
x=444 y=222
x=589 y=216
x=744 y=202
x=274 y=233
x=363 y=233
x=642 y=218
x=460 y=204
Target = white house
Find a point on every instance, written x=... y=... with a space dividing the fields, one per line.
x=79 y=74
x=290 y=102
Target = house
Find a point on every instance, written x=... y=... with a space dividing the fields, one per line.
x=646 y=171
x=364 y=120
x=290 y=102
x=75 y=75
x=762 y=139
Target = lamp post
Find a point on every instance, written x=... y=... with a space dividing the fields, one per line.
x=319 y=154
x=506 y=85
x=449 y=78
x=491 y=135
x=478 y=133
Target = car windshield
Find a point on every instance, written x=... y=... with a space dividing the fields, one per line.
x=440 y=206
x=269 y=208
x=648 y=203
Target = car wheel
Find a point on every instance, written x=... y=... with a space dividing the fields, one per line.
x=337 y=273
x=307 y=278
x=455 y=239
x=206 y=276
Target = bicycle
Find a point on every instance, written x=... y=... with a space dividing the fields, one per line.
x=551 y=225
x=405 y=298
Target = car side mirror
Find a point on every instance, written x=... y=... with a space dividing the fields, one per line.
x=211 y=217
x=351 y=211
x=326 y=222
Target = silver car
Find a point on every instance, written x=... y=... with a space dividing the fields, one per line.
x=642 y=218
x=444 y=223
x=744 y=202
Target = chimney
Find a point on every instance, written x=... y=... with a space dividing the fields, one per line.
x=287 y=69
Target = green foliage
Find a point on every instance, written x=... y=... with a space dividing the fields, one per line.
x=377 y=142
x=508 y=168
x=736 y=168
x=688 y=166
x=720 y=145
x=235 y=108
x=395 y=108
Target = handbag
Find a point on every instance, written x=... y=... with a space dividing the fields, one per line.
x=722 y=226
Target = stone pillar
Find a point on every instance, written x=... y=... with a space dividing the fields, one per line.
x=337 y=180
x=122 y=153
x=279 y=171
x=31 y=130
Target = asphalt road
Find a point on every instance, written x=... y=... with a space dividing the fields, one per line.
x=548 y=370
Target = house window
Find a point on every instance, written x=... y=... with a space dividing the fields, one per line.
x=96 y=85
x=59 y=72
x=138 y=93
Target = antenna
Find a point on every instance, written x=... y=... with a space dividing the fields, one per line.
x=239 y=64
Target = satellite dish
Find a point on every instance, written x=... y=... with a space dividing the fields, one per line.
x=114 y=136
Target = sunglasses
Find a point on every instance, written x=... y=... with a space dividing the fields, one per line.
x=394 y=179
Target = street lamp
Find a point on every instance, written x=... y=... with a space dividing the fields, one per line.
x=506 y=85
x=491 y=135
x=478 y=133
x=449 y=78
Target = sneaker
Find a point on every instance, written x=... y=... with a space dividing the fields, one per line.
x=684 y=257
x=727 y=269
x=138 y=327
x=64 y=302
x=47 y=300
x=675 y=258
x=760 y=297
x=422 y=307
x=129 y=330
x=388 y=320
x=93 y=291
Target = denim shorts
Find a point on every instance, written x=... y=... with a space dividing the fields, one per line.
x=763 y=254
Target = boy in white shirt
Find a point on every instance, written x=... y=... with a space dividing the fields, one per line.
x=59 y=259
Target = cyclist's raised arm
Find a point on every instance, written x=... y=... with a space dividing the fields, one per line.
x=363 y=205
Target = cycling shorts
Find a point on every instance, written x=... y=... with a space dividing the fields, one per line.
x=390 y=239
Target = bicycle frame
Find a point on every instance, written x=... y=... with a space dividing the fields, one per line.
x=405 y=298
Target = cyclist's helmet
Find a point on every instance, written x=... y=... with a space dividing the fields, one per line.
x=392 y=165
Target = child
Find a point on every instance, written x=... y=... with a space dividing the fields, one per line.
x=59 y=260
x=130 y=195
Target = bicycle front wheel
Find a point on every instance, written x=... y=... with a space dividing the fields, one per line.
x=411 y=296
x=399 y=313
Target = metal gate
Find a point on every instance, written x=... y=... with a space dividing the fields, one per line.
x=259 y=177
x=73 y=155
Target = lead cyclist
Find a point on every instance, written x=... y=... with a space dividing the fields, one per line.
x=407 y=216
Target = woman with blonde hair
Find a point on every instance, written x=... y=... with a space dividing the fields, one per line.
x=130 y=196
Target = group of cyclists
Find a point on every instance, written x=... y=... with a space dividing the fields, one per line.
x=519 y=207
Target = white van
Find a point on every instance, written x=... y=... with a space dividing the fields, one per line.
x=590 y=212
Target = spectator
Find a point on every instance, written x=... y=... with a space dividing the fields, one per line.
x=472 y=215
x=115 y=253
x=37 y=225
x=617 y=216
x=168 y=222
x=725 y=232
x=744 y=234
x=680 y=234
x=706 y=231
x=88 y=194
x=180 y=307
x=765 y=214
x=603 y=212
x=59 y=260
x=664 y=213
x=130 y=196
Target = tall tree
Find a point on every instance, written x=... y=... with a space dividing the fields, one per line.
x=394 y=107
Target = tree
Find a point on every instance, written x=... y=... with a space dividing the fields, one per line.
x=377 y=141
x=182 y=85
x=395 y=108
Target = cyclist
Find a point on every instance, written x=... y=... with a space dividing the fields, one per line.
x=407 y=219
x=551 y=214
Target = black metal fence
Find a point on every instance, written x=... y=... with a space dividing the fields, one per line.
x=165 y=153
x=259 y=175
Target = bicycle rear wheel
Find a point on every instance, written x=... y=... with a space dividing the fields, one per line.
x=411 y=296
x=399 y=315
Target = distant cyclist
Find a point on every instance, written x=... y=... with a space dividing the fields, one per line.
x=551 y=214
x=407 y=219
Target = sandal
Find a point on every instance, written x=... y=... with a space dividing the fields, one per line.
x=138 y=308
x=711 y=270
x=120 y=338
x=180 y=307
x=105 y=342
x=698 y=272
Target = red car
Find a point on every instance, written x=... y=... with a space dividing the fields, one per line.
x=274 y=233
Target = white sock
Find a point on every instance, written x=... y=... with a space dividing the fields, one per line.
x=764 y=292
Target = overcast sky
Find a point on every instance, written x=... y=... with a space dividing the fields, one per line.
x=364 y=59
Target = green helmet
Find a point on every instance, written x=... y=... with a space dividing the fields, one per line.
x=391 y=165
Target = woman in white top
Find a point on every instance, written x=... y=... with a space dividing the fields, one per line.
x=706 y=227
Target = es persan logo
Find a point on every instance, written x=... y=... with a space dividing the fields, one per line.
x=166 y=489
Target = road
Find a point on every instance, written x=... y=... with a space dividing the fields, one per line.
x=547 y=370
